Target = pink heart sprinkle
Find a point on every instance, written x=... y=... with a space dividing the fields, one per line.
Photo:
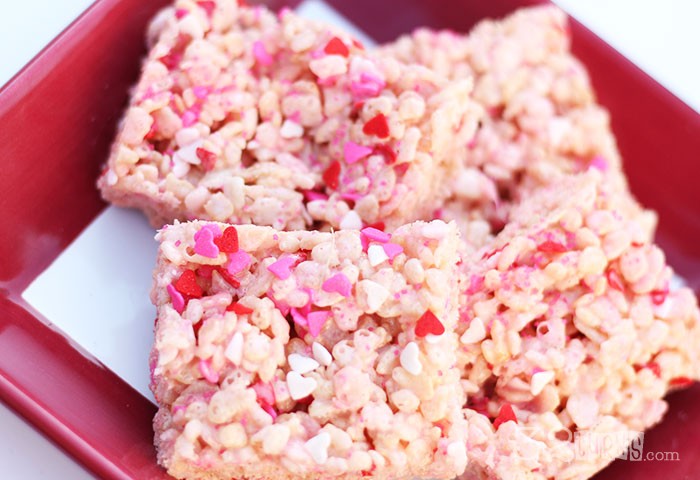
x=368 y=86
x=299 y=318
x=377 y=235
x=200 y=92
x=600 y=163
x=189 y=118
x=204 y=243
x=280 y=305
x=316 y=321
x=237 y=262
x=354 y=152
x=264 y=392
x=392 y=249
x=338 y=283
x=282 y=267
x=261 y=54
x=208 y=372
x=176 y=298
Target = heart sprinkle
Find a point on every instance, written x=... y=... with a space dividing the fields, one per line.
x=302 y=364
x=261 y=54
x=282 y=267
x=300 y=387
x=550 y=246
x=429 y=323
x=176 y=299
x=239 y=309
x=209 y=374
x=237 y=262
x=475 y=333
x=354 y=152
x=204 y=243
x=332 y=175
x=321 y=354
x=377 y=126
x=338 y=283
x=318 y=447
x=336 y=47
x=228 y=241
x=316 y=321
x=207 y=158
x=187 y=285
x=392 y=250
x=375 y=234
x=376 y=255
x=410 y=359
x=506 y=414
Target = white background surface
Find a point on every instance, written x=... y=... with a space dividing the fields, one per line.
x=661 y=37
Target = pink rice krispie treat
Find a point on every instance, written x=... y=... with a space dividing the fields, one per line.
x=541 y=120
x=308 y=354
x=245 y=116
x=570 y=326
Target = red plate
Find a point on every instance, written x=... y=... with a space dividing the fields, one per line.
x=58 y=117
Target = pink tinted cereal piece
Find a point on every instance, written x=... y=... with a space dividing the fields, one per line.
x=338 y=283
x=600 y=163
x=316 y=321
x=207 y=158
x=368 y=86
x=189 y=118
x=550 y=246
x=261 y=54
x=237 y=262
x=354 y=152
x=392 y=250
x=287 y=392
x=208 y=6
x=204 y=243
x=176 y=298
x=282 y=267
x=376 y=235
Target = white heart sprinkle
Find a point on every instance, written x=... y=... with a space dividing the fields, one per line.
x=291 y=129
x=318 y=447
x=539 y=380
x=376 y=294
x=302 y=364
x=437 y=229
x=234 y=349
x=475 y=333
x=410 y=359
x=300 y=387
x=351 y=221
x=321 y=354
x=376 y=255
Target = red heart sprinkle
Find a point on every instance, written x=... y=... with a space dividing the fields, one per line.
x=550 y=246
x=506 y=414
x=207 y=6
x=228 y=241
x=429 y=323
x=332 y=175
x=378 y=225
x=358 y=44
x=230 y=279
x=655 y=368
x=388 y=153
x=658 y=297
x=238 y=309
x=681 y=382
x=377 y=125
x=402 y=168
x=336 y=47
x=187 y=285
x=207 y=158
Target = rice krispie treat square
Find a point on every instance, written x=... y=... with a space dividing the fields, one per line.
x=245 y=116
x=307 y=354
x=541 y=120
x=571 y=326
